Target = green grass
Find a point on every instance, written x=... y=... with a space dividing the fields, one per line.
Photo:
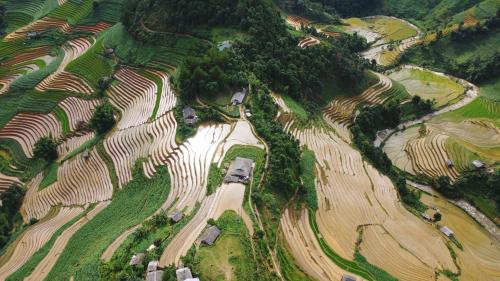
x=390 y=29
x=358 y=268
x=232 y=251
x=307 y=165
x=39 y=255
x=50 y=176
x=290 y=271
x=479 y=108
x=159 y=84
x=21 y=12
x=296 y=108
x=130 y=206
x=72 y=11
x=460 y=155
x=86 y=145
x=396 y=92
x=216 y=175
x=491 y=90
x=486 y=205
x=62 y=117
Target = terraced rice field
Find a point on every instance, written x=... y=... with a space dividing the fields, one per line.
x=34 y=238
x=7 y=181
x=66 y=81
x=136 y=96
x=339 y=112
x=305 y=249
x=297 y=21
x=43 y=268
x=460 y=142
x=381 y=29
x=80 y=181
x=351 y=194
x=480 y=257
x=429 y=85
x=26 y=129
x=227 y=197
x=308 y=42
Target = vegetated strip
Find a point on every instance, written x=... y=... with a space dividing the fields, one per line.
x=348 y=265
x=30 y=265
x=130 y=206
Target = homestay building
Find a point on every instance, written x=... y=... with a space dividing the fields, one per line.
x=189 y=115
x=239 y=171
x=238 y=97
x=210 y=235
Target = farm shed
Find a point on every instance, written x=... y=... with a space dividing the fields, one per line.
x=449 y=163
x=347 y=277
x=136 y=259
x=224 y=45
x=210 y=235
x=189 y=115
x=152 y=266
x=477 y=164
x=183 y=274
x=175 y=216
x=446 y=231
x=154 y=275
x=33 y=35
x=239 y=171
x=238 y=97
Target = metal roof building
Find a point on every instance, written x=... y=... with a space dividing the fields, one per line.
x=210 y=235
x=239 y=171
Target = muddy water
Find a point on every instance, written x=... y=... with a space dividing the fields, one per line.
x=480 y=257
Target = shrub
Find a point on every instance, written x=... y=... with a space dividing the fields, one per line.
x=103 y=118
x=46 y=148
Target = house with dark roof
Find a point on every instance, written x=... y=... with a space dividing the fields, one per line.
x=136 y=259
x=347 y=277
x=189 y=115
x=238 y=97
x=210 y=235
x=175 y=216
x=33 y=35
x=239 y=171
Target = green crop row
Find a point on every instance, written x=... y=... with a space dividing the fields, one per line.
x=21 y=12
x=63 y=119
x=159 y=84
x=130 y=206
x=72 y=11
x=92 y=65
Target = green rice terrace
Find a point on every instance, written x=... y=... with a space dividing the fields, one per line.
x=278 y=140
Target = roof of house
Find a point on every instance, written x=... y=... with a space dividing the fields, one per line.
x=210 y=235
x=240 y=168
x=446 y=231
x=156 y=275
x=224 y=45
x=136 y=259
x=183 y=273
x=152 y=266
x=192 y=279
x=477 y=164
x=347 y=277
x=239 y=96
x=176 y=216
x=188 y=112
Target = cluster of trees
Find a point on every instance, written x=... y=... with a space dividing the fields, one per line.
x=46 y=149
x=211 y=74
x=10 y=217
x=103 y=118
x=467 y=33
x=2 y=15
x=311 y=9
x=182 y=15
x=479 y=182
x=273 y=56
x=284 y=170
